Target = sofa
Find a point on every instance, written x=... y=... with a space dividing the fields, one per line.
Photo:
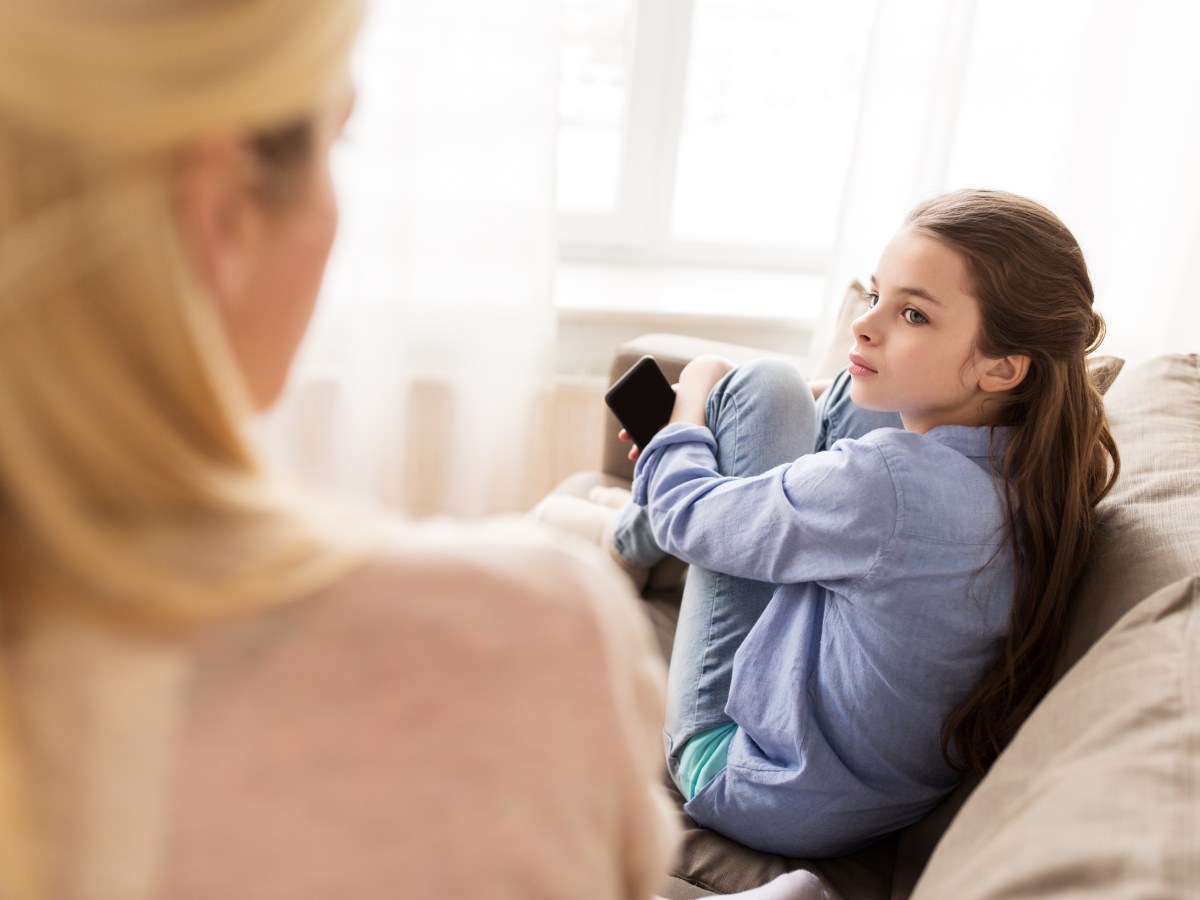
x=1098 y=795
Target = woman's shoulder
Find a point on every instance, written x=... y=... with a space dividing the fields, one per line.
x=463 y=668
x=493 y=586
x=501 y=549
x=506 y=566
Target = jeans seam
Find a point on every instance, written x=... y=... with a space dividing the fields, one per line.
x=726 y=395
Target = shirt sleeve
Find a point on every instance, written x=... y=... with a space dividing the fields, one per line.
x=826 y=517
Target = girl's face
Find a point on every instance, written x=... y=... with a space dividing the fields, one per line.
x=914 y=349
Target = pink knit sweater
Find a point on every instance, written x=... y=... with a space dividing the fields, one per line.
x=476 y=713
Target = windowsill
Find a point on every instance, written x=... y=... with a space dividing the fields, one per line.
x=687 y=292
x=599 y=306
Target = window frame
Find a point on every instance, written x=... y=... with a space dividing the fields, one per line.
x=638 y=230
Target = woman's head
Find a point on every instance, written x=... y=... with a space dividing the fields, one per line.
x=145 y=128
x=1029 y=279
x=165 y=212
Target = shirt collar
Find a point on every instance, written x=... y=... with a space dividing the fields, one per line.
x=977 y=442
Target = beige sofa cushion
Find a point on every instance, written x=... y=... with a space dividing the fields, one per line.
x=1099 y=793
x=708 y=862
x=1149 y=525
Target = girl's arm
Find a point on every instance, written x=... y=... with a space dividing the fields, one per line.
x=823 y=517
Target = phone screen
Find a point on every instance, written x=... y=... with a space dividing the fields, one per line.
x=642 y=400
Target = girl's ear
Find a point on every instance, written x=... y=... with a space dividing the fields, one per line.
x=1004 y=373
x=218 y=214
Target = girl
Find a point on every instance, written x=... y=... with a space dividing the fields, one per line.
x=208 y=688
x=870 y=613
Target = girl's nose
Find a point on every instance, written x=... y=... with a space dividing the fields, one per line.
x=862 y=328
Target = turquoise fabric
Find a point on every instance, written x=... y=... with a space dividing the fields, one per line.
x=703 y=758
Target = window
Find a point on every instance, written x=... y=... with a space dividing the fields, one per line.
x=593 y=94
x=710 y=132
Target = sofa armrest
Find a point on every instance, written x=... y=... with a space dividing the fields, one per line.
x=673 y=352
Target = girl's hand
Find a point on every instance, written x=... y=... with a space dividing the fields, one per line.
x=634 y=452
x=696 y=382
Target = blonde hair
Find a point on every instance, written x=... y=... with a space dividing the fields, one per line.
x=128 y=487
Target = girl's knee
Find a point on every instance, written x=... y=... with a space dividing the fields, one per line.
x=762 y=414
x=766 y=376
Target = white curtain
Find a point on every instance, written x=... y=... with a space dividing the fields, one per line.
x=420 y=378
x=1088 y=106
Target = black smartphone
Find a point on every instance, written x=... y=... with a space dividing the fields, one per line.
x=642 y=400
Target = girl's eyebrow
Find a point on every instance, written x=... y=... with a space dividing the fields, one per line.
x=912 y=292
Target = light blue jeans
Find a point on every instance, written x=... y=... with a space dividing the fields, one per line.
x=762 y=415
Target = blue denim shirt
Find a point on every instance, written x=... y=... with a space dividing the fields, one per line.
x=895 y=581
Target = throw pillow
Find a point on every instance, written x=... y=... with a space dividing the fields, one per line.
x=1147 y=528
x=1099 y=793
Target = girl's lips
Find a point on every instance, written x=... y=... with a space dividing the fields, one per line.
x=858 y=366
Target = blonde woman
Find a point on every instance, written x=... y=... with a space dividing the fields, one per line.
x=208 y=687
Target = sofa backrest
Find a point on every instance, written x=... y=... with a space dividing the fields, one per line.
x=1149 y=525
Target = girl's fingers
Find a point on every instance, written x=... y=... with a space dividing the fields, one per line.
x=633 y=451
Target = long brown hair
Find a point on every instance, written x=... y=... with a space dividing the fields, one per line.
x=1035 y=297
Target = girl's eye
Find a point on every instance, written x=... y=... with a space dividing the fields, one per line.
x=872 y=299
x=914 y=316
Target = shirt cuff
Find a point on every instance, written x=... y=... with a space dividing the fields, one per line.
x=650 y=455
